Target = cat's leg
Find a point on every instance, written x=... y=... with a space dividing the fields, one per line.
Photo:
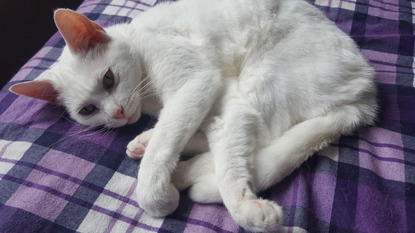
x=277 y=160
x=232 y=139
x=179 y=119
x=233 y=147
x=196 y=145
x=198 y=173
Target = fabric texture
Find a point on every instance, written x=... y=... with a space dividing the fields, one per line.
x=57 y=177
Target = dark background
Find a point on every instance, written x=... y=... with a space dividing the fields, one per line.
x=25 y=26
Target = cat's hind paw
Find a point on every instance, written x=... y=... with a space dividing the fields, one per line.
x=137 y=147
x=259 y=215
x=205 y=190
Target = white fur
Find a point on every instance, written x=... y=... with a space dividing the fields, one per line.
x=267 y=82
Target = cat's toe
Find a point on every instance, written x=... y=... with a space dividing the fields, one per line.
x=259 y=215
x=136 y=153
x=137 y=147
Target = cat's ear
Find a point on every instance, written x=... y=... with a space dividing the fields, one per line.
x=80 y=33
x=43 y=90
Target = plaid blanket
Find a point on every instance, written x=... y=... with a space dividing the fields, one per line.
x=57 y=177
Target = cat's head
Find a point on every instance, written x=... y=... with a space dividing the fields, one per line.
x=96 y=77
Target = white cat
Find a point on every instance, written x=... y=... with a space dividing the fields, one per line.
x=259 y=86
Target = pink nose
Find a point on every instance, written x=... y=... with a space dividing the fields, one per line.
x=119 y=114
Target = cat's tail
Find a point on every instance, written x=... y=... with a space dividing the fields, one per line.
x=296 y=145
x=281 y=157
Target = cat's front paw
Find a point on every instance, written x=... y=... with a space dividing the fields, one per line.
x=137 y=147
x=258 y=215
x=158 y=203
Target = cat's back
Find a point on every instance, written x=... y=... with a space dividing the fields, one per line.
x=231 y=21
x=231 y=34
x=222 y=31
x=209 y=16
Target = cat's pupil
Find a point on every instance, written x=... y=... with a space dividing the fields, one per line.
x=88 y=110
x=108 y=80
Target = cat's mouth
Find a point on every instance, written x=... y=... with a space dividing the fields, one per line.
x=134 y=111
x=116 y=124
x=135 y=116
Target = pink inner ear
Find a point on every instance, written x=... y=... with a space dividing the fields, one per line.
x=80 y=33
x=43 y=90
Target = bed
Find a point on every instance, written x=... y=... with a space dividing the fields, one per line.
x=57 y=177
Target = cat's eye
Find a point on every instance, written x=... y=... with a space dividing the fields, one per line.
x=108 y=79
x=88 y=110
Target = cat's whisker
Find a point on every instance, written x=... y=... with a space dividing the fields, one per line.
x=146 y=92
x=147 y=97
x=92 y=132
x=85 y=129
x=145 y=85
x=143 y=89
x=134 y=92
x=140 y=83
x=71 y=135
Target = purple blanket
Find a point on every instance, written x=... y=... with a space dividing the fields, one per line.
x=57 y=177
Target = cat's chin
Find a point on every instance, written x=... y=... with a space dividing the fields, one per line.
x=134 y=118
x=117 y=124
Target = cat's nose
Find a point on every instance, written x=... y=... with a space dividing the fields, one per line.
x=119 y=114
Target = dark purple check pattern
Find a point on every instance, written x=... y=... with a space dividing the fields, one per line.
x=57 y=177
